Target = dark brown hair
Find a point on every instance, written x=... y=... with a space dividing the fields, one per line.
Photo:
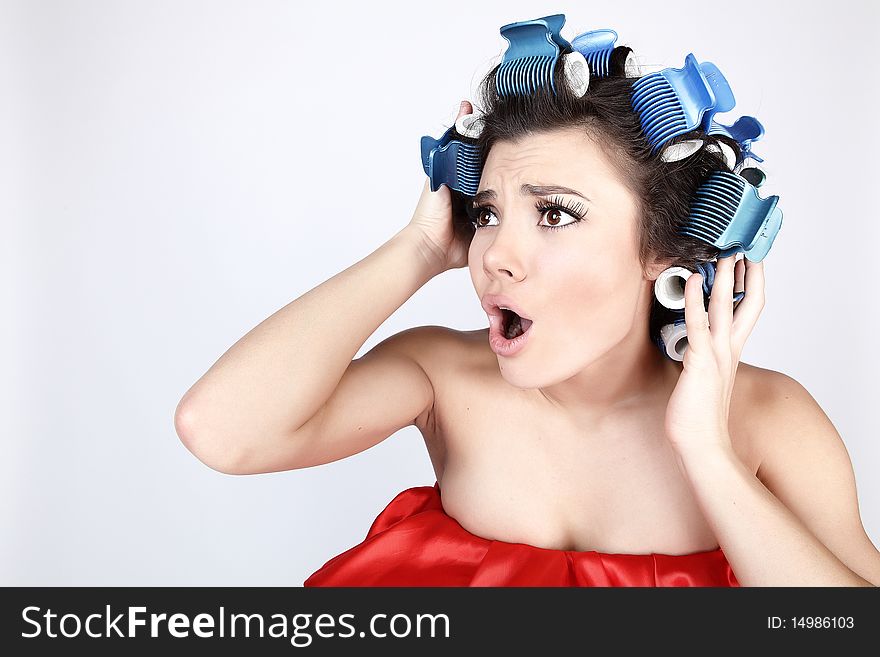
x=663 y=189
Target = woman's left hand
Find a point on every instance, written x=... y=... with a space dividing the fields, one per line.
x=698 y=409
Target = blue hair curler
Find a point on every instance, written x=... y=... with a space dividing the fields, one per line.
x=707 y=271
x=744 y=131
x=451 y=162
x=728 y=213
x=677 y=100
x=596 y=46
x=528 y=63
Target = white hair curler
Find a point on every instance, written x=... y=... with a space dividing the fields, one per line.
x=669 y=287
x=577 y=72
x=674 y=339
x=469 y=125
x=680 y=150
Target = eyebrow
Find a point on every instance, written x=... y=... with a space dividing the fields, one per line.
x=530 y=190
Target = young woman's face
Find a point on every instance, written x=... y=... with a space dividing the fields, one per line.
x=580 y=283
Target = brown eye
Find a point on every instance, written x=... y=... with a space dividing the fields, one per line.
x=552 y=212
x=555 y=222
x=479 y=215
x=555 y=215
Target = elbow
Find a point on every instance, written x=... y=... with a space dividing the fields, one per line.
x=210 y=452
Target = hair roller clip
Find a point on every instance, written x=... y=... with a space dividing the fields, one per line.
x=596 y=46
x=674 y=101
x=744 y=131
x=727 y=213
x=530 y=58
x=451 y=162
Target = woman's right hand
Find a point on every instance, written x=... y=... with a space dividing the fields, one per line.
x=432 y=224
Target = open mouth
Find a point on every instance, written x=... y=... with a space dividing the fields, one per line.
x=513 y=325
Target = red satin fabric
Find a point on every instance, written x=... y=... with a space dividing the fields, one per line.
x=414 y=543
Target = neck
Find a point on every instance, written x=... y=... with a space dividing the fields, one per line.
x=632 y=375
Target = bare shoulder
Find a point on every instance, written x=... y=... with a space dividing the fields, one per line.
x=754 y=391
x=773 y=392
x=805 y=464
x=773 y=406
x=753 y=385
x=435 y=347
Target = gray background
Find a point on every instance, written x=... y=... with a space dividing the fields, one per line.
x=175 y=172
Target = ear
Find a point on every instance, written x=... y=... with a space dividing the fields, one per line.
x=657 y=266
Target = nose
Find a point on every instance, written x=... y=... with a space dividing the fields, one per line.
x=503 y=256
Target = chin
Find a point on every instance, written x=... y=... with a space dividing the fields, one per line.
x=541 y=373
x=529 y=374
x=524 y=380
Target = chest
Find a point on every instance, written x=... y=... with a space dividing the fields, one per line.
x=509 y=472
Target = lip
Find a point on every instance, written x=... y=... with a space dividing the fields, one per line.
x=491 y=303
x=498 y=343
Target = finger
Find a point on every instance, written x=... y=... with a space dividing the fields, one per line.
x=749 y=309
x=721 y=300
x=739 y=274
x=739 y=283
x=696 y=318
x=463 y=109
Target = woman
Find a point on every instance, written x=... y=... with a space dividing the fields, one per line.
x=577 y=453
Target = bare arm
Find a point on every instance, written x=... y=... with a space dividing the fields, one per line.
x=279 y=375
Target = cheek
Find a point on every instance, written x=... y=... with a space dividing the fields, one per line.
x=475 y=264
x=579 y=279
x=589 y=290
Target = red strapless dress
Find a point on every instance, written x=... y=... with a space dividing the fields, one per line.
x=414 y=543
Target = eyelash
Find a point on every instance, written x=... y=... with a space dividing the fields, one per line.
x=575 y=211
